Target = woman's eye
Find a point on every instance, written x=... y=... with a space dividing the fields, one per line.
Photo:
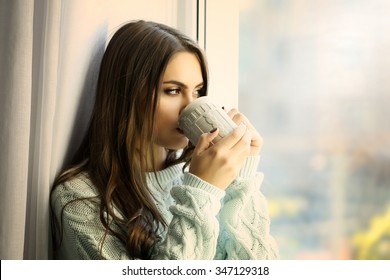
x=172 y=91
x=199 y=92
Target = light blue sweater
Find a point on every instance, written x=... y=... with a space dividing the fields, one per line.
x=204 y=221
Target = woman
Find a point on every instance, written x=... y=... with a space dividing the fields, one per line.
x=136 y=188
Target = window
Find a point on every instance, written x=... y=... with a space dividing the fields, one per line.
x=314 y=78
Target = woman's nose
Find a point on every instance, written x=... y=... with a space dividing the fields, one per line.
x=187 y=99
x=190 y=98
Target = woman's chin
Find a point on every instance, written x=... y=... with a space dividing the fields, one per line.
x=180 y=144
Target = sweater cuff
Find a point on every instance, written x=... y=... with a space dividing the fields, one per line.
x=194 y=181
x=249 y=169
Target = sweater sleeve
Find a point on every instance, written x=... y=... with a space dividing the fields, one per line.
x=194 y=229
x=244 y=219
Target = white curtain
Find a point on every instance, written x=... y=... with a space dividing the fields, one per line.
x=50 y=51
x=15 y=110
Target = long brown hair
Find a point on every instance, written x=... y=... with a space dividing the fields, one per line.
x=117 y=147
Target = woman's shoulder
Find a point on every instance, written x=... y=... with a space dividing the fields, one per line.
x=78 y=187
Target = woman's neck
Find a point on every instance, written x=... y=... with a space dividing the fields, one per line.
x=160 y=156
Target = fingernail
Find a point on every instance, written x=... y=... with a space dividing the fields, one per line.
x=213 y=130
x=242 y=124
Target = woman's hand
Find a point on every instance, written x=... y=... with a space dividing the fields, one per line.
x=220 y=163
x=256 y=140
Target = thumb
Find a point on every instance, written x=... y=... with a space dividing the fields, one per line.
x=205 y=141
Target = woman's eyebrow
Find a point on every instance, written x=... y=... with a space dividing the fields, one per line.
x=180 y=83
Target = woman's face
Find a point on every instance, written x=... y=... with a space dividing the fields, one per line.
x=182 y=82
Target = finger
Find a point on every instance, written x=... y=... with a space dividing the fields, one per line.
x=245 y=141
x=257 y=140
x=238 y=117
x=205 y=140
x=232 y=112
x=231 y=139
x=243 y=146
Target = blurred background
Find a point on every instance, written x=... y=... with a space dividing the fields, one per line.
x=315 y=80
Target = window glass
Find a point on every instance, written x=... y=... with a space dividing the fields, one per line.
x=314 y=77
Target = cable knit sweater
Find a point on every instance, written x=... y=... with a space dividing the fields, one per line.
x=204 y=221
